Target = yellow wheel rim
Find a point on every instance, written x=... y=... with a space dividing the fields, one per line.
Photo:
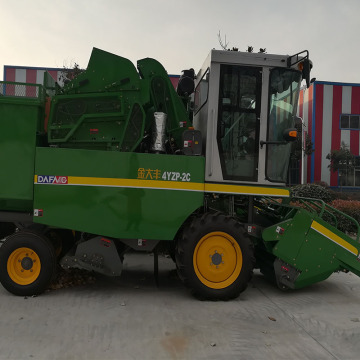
x=23 y=266
x=217 y=260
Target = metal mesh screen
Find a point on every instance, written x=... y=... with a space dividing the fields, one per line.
x=20 y=90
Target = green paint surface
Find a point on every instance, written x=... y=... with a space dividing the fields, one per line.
x=20 y=120
x=316 y=256
x=116 y=211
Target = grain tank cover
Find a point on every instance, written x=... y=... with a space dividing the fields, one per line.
x=105 y=72
x=102 y=108
x=111 y=105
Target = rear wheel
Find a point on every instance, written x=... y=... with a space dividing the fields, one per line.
x=215 y=257
x=27 y=263
x=62 y=240
x=6 y=229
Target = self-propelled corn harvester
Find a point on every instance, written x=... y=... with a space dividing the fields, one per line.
x=117 y=160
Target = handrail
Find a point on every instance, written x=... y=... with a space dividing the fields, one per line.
x=324 y=209
x=19 y=90
x=321 y=208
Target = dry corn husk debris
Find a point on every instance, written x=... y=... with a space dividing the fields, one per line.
x=72 y=277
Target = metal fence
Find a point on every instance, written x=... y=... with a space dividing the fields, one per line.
x=8 y=88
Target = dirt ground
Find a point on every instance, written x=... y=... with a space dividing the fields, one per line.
x=131 y=318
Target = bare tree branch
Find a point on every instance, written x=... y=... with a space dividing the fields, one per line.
x=224 y=44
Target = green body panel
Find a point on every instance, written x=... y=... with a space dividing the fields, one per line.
x=115 y=194
x=105 y=71
x=109 y=107
x=315 y=254
x=96 y=121
x=20 y=122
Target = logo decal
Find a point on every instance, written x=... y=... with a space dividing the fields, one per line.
x=50 y=179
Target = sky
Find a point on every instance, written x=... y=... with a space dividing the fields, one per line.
x=180 y=34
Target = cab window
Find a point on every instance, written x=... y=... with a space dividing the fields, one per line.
x=238 y=121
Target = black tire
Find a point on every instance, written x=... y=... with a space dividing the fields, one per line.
x=215 y=257
x=172 y=251
x=6 y=229
x=27 y=263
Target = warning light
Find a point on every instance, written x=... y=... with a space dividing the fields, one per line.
x=290 y=134
x=105 y=242
x=293 y=133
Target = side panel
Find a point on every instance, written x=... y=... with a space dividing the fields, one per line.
x=122 y=195
x=19 y=121
x=313 y=247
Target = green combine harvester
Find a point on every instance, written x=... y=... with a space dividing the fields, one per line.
x=117 y=160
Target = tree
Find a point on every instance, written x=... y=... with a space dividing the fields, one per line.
x=298 y=146
x=309 y=146
x=70 y=73
x=224 y=44
x=341 y=159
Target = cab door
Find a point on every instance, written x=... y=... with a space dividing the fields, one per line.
x=238 y=122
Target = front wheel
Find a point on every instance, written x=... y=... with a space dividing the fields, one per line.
x=215 y=257
x=27 y=263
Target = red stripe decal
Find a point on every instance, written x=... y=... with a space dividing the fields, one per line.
x=355 y=109
x=174 y=81
x=31 y=79
x=309 y=128
x=53 y=74
x=336 y=133
x=10 y=76
x=301 y=103
x=319 y=101
x=301 y=113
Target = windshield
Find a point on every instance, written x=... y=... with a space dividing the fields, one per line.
x=283 y=97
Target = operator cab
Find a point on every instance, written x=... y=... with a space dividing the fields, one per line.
x=245 y=107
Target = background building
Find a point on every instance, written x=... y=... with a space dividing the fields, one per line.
x=35 y=75
x=331 y=113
